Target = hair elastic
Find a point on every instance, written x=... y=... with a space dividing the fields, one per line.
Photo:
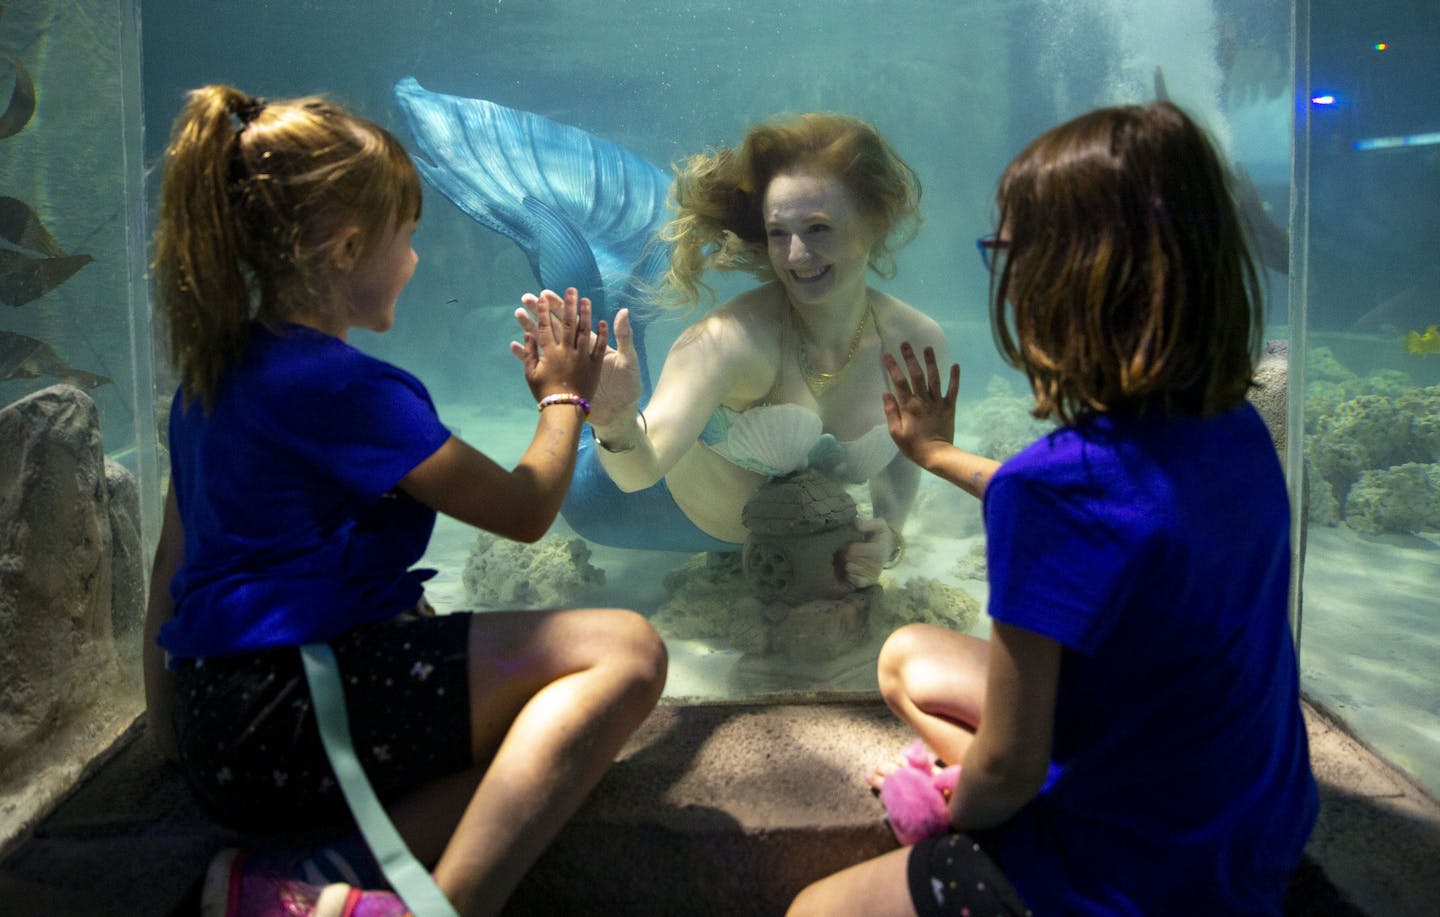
x=611 y=448
x=565 y=398
x=248 y=110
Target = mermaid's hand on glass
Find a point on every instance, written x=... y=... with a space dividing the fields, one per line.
x=618 y=395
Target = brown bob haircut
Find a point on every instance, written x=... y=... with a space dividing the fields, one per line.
x=1127 y=285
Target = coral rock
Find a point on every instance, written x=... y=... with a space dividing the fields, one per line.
x=1405 y=498
x=1422 y=408
x=927 y=601
x=1364 y=433
x=1003 y=423
x=554 y=572
x=58 y=653
x=1268 y=395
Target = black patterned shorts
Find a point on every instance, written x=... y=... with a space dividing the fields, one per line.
x=250 y=746
x=952 y=874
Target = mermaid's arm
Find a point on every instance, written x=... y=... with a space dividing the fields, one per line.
x=586 y=213
x=892 y=493
x=893 y=490
x=637 y=449
x=648 y=519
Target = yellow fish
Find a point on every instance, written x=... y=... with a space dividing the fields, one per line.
x=1423 y=344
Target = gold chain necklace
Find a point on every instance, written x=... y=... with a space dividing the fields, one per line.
x=817 y=381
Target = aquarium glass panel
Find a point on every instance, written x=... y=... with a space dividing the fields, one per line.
x=956 y=87
x=78 y=476
x=1370 y=647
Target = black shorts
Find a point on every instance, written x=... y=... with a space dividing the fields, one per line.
x=952 y=874
x=250 y=746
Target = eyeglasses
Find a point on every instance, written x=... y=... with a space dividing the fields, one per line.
x=988 y=246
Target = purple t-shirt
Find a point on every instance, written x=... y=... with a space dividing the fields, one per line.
x=294 y=528
x=1156 y=551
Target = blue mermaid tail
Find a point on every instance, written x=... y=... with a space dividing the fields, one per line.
x=586 y=213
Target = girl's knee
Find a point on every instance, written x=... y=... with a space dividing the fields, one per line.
x=650 y=650
x=633 y=646
x=805 y=903
x=899 y=649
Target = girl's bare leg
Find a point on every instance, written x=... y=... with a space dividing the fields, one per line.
x=874 y=888
x=554 y=695
x=934 y=680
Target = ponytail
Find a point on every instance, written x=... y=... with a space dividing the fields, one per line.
x=199 y=279
x=255 y=198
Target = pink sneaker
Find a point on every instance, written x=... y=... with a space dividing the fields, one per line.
x=239 y=885
x=236 y=886
x=344 y=901
x=916 y=795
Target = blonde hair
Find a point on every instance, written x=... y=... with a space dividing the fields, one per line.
x=254 y=200
x=1127 y=284
x=718 y=196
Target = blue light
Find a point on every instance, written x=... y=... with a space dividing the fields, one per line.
x=1322 y=100
x=1391 y=143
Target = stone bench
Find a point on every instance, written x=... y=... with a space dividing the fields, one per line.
x=725 y=809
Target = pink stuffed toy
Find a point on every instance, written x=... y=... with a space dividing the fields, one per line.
x=916 y=804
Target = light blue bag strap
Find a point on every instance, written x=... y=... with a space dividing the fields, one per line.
x=411 y=881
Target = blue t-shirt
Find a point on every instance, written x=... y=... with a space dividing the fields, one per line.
x=294 y=528
x=1156 y=551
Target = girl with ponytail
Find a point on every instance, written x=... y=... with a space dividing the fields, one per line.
x=305 y=481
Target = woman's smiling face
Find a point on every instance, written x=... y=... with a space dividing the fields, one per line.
x=819 y=242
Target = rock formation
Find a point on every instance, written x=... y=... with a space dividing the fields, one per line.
x=70 y=569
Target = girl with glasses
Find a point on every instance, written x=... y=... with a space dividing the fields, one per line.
x=1129 y=738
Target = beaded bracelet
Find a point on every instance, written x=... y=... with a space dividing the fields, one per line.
x=564 y=398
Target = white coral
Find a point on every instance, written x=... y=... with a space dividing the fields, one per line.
x=553 y=572
x=1405 y=498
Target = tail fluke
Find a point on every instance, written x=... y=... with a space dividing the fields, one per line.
x=584 y=210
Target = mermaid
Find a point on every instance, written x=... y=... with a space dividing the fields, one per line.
x=782 y=377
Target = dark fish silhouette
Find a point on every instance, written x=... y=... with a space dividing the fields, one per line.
x=20 y=225
x=1269 y=241
x=23 y=278
x=22 y=101
x=1162 y=93
x=24 y=357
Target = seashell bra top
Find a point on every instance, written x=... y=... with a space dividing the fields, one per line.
x=777 y=439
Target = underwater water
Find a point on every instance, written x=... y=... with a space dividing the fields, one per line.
x=957 y=87
x=71 y=267
x=1370 y=627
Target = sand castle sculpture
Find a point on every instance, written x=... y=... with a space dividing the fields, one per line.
x=793 y=562
x=785 y=597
